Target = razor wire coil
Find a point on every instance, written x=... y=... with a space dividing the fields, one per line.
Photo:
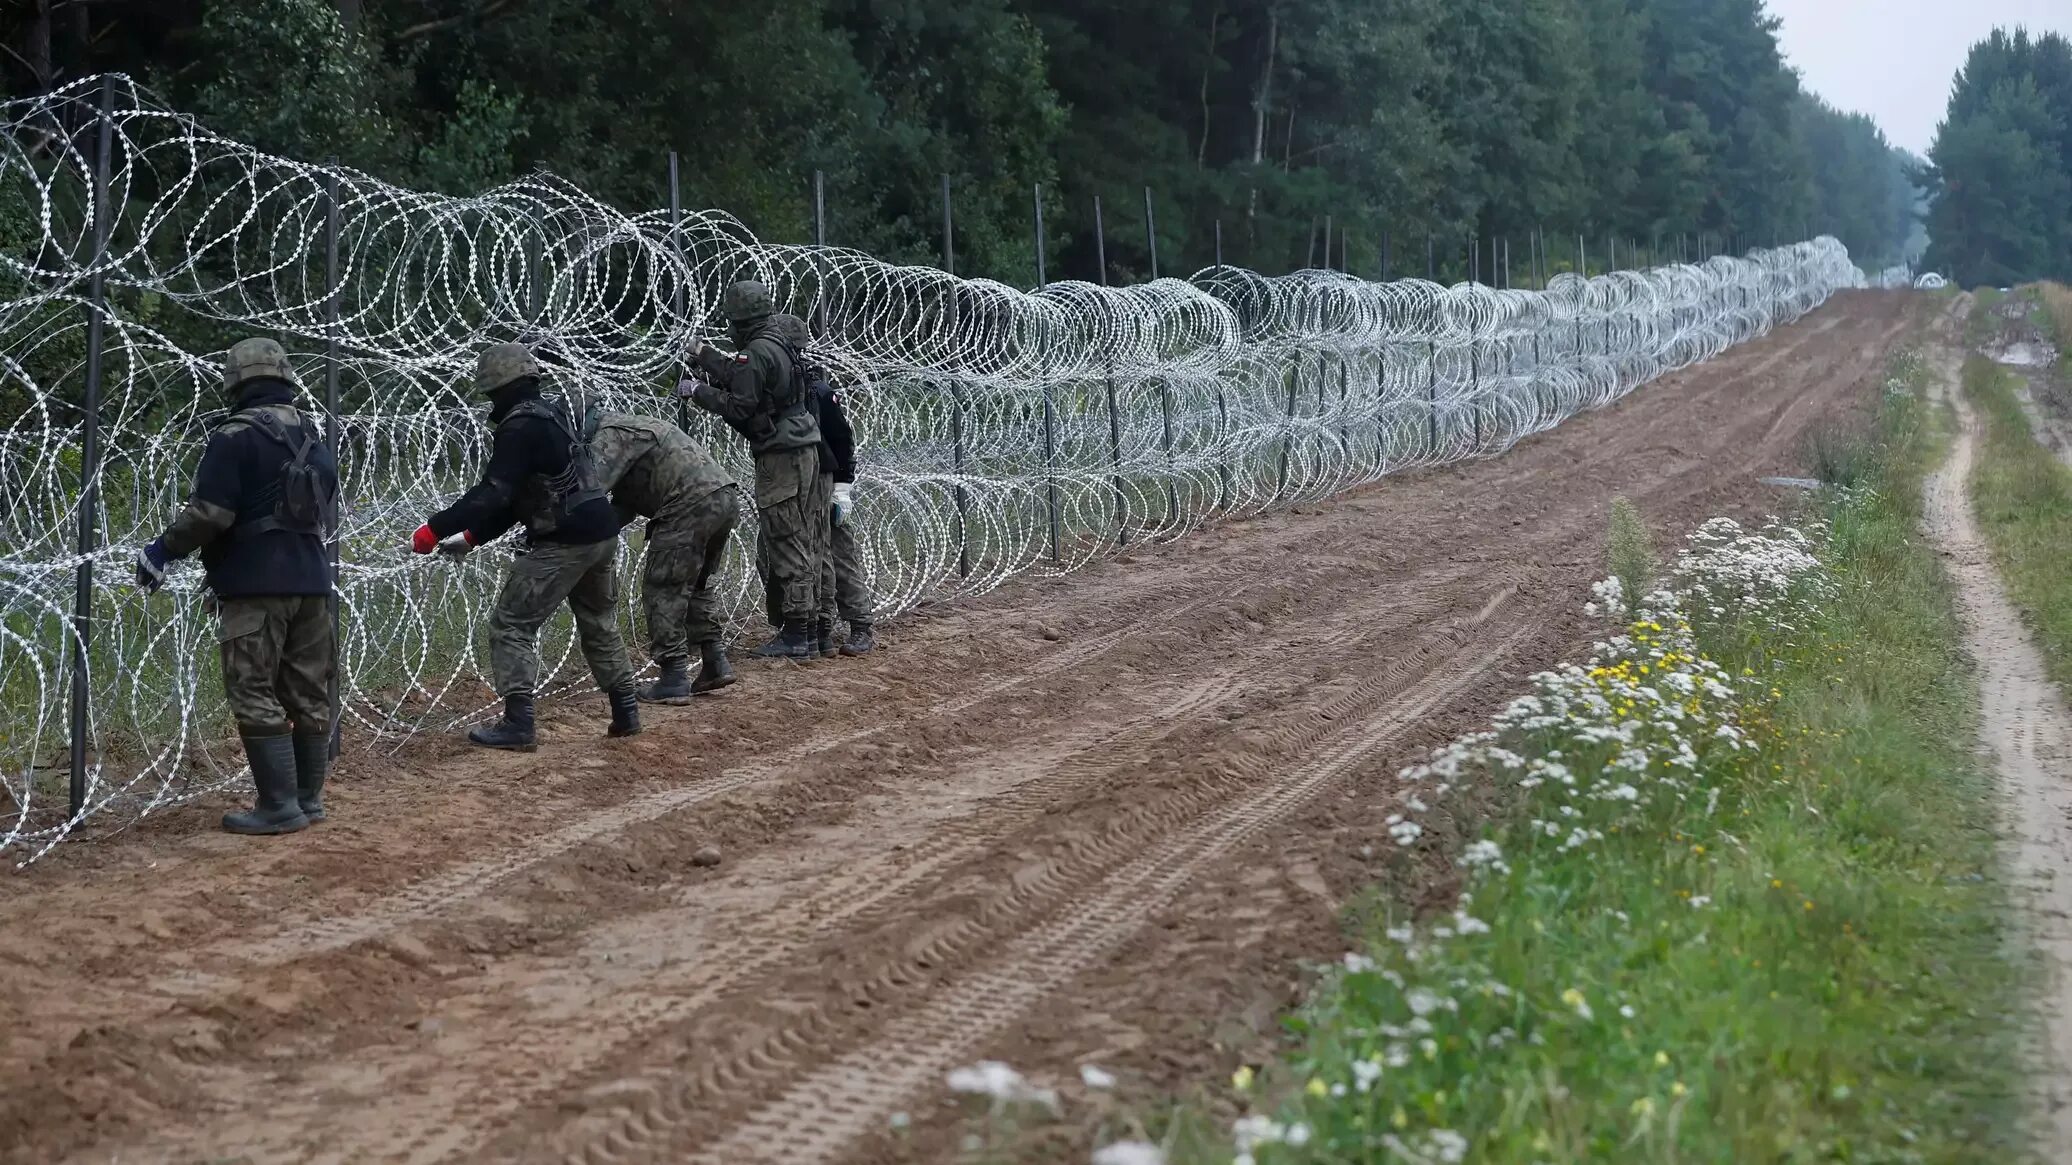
x=1000 y=431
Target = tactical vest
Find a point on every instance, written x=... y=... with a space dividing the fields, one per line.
x=545 y=500
x=298 y=500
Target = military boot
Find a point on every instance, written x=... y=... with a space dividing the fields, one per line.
x=514 y=731
x=674 y=685
x=795 y=643
x=273 y=774
x=625 y=715
x=860 y=642
x=713 y=671
x=824 y=638
x=312 y=765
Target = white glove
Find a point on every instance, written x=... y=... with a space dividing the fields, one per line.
x=456 y=547
x=845 y=497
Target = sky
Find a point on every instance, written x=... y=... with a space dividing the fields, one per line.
x=1894 y=59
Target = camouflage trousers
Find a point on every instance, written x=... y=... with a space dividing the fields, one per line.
x=278 y=661
x=541 y=579
x=843 y=592
x=791 y=500
x=844 y=595
x=685 y=545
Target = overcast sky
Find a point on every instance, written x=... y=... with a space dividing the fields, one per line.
x=1894 y=59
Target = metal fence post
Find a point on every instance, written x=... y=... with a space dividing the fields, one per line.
x=1219 y=242
x=1151 y=233
x=683 y=407
x=1050 y=414
x=331 y=423
x=1100 y=245
x=90 y=454
x=949 y=266
x=1384 y=256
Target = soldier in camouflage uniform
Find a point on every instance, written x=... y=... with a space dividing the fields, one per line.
x=759 y=392
x=262 y=513
x=655 y=471
x=541 y=472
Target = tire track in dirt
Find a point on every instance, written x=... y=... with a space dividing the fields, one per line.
x=595 y=1016
x=1161 y=841
x=452 y=887
x=817 y=1117
x=2025 y=725
x=482 y=1086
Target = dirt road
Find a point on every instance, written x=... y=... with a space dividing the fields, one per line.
x=1095 y=819
x=2027 y=730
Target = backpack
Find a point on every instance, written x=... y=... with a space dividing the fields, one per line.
x=577 y=484
x=303 y=504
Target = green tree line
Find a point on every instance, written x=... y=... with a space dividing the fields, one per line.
x=1635 y=124
x=2002 y=177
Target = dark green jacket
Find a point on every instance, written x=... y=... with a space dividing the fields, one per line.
x=754 y=392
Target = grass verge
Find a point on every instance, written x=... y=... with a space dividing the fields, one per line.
x=2024 y=500
x=1733 y=897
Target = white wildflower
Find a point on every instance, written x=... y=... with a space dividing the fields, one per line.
x=1095 y=1078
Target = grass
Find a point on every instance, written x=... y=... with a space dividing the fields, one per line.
x=2024 y=499
x=1802 y=954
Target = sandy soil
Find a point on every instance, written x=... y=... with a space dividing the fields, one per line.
x=1100 y=819
x=2027 y=729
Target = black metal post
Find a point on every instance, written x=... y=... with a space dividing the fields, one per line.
x=1385 y=256
x=1050 y=412
x=1122 y=505
x=90 y=454
x=1151 y=233
x=1327 y=242
x=1100 y=244
x=1219 y=242
x=331 y=433
x=683 y=407
x=949 y=265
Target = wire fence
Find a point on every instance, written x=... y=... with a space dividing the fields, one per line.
x=1001 y=431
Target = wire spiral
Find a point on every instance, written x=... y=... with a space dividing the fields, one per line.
x=1001 y=431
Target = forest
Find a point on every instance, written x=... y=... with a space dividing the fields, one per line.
x=2002 y=178
x=1643 y=128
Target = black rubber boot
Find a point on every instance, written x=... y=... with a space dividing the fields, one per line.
x=273 y=774
x=860 y=641
x=824 y=638
x=312 y=765
x=673 y=687
x=795 y=642
x=514 y=731
x=625 y=715
x=714 y=672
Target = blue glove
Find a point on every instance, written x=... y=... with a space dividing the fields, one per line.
x=151 y=564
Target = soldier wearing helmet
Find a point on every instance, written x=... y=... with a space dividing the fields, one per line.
x=263 y=514
x=761 y=392
x=541 y=473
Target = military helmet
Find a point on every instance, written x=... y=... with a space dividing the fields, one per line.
x=500 y=364
x=746 y=301
x=254 y=359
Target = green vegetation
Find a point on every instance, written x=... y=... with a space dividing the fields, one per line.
x=1795 y=952
x=1642 y=121
x=2024 y=501
x=2003 y=165
x=1630 y=553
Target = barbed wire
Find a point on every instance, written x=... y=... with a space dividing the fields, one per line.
x=1001 y=431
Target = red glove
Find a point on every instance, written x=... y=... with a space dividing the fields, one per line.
x=424 y=541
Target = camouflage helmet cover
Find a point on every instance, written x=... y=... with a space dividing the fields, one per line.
x=500 y=364
x=747 y=300
x=254 y=359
